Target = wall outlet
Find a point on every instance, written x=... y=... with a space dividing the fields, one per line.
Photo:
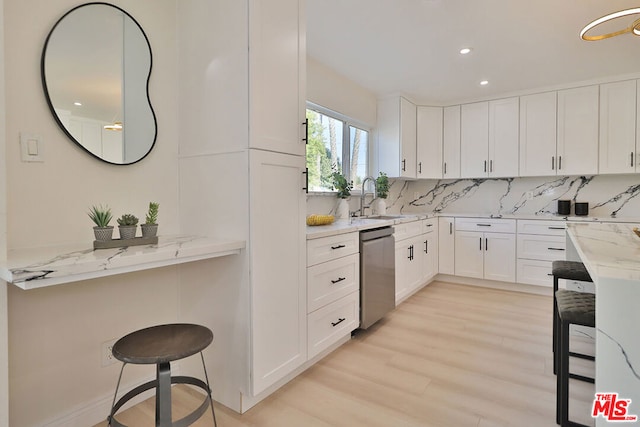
x=107 y=355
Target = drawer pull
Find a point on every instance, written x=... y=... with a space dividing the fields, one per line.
x=556 y=228
x=338 y=280
x=549 y=274
x=429 y=225
x=340 y=320
x=556 y=249
x=338 y=247
x=483 y=225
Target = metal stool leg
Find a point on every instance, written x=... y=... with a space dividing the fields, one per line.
x=163 y=395
x=555 y=326
x=115 y=395
x=206 y=377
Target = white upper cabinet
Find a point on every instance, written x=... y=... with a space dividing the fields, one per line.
x=429 y=142
x=397 y=137
x=618 y=127
x=503 y=137
x=474 y=140
x=451 y=142
x=489 y=139
x=577 y=149
x=538 y=134
x=277 y=58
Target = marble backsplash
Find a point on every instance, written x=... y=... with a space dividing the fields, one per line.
x=607 y=195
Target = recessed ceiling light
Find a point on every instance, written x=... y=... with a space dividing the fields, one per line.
x=79 y=104
x=465 y=50
x=484 y=82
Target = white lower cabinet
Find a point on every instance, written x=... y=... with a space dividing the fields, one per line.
x=333 y=290
x=446 y=245
x=483 y=254
x=416 y=253
x=539 y=244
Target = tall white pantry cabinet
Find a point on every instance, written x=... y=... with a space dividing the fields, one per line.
x=277 y=202
x=242 y=163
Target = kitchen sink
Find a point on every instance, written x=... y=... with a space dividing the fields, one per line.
x=385 y=217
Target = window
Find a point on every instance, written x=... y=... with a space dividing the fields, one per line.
x=335 y=144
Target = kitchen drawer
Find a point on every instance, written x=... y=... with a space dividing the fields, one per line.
x=327 y=248
x=549 y=228
x=406 y=230
x=486 y=225
x=332 y=322
x=332 y=280
x=429 y=225
x=534 y=272
x=548 y=248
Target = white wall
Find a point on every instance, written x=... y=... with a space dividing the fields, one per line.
x=4 y=352
x=55 y=334
x=331 y=90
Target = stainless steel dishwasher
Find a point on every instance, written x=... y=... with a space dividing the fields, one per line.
x=377 y=275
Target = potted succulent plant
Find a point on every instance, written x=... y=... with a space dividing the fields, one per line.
x=150 y=226
x=344 y=187
x=382 y=191
x=127 y=225
x=101 y=216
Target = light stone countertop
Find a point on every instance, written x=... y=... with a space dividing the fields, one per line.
x=47 y=266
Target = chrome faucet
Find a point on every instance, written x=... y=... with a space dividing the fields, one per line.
x=363 y=194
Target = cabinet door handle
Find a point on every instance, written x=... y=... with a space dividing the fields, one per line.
x=419 y=167
x=445 y=168
x=559 y=162
x=486 y=244
x=306 y=180
x=556 y=228
x=404 y=165
x=338 y=280
x=340 y=320
x=632 y=159
x=553 y=162
x=483 y=225
x=450 y=228
x=480 y=243
x=485 y=165
x=338 y=247
x=556 y=249
x=426 y=246
x=490 y=165
x=306 y=131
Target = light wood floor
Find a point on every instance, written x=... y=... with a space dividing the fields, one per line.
x=451 y=355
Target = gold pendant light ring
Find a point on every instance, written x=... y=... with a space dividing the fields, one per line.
x=634 y=28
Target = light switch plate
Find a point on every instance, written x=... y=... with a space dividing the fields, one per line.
x=31 y=149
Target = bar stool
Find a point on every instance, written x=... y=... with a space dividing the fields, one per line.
x=569 y=270
x=574 y=308
x=160 y=345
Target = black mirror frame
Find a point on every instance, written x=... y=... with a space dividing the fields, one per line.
x=50 y=103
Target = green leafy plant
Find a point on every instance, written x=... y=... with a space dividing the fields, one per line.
x=128 y=219
x=152 y=213
x=341 y=184
x=382 y=185
x=100 y=215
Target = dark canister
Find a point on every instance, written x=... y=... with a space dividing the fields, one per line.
x=581 y=208
x=564 y=207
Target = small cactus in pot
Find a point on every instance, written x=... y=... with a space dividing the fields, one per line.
x=127 y=225
x=150 y=226
x=101 y=216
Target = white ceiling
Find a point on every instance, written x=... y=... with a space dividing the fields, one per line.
x=412 y=46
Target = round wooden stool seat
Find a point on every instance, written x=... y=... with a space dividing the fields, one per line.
x=163 y=343
x=160 y=345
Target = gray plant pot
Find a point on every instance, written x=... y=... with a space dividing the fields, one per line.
x=127 y=231
x=149 y=230
x=103 y=234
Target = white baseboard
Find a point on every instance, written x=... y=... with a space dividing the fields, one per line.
x=95 y=411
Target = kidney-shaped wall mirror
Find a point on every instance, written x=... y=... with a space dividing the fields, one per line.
x=96 y=65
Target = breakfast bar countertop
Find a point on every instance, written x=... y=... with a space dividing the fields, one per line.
x=611 y=254
x=47 y=266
